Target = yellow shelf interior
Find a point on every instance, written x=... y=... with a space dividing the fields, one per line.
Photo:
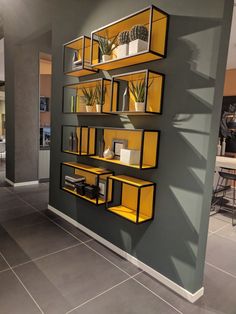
x=91 y=169
x=100 y=201
x=131 y=180
x=118 y=162
x=128 y=213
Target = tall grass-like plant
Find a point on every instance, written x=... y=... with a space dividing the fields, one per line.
x=99 y=94
x=88 y=95
x=106 y=45
x=138 y=90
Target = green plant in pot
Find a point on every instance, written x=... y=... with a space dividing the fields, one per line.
x=88 y=97
x=123 y=44
x=107 y=46
x=137 y=90
x=138 y=39
x=99 y=96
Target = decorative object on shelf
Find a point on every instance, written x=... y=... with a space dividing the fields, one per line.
x=123 y=44
x=219 y=147
x=80 y=188
x=73 y=101
x=88 y=96
x=138 y=39
x=76 y=62
x=91 y=191
x=117 y=145
x=75 y=143
x=107 y=46
x=125 y=105
x=102 y=188
x=72 y=181
x=138 y=91
x=223 y=147
x=101 y=146
x=108 y=153
x=99 y=96
x=130 y=156
x=71 y=141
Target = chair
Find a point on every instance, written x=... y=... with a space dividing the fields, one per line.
x=224 y=187
x=2 y=150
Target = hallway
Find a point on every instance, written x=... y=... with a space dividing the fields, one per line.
x=48 y=266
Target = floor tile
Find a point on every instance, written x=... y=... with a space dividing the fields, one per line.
x=215 y=224
x=218 y=297
x=11 y=202
x=75 y=231
x=127 y=298
x=114 y=258
x=13 y=297
x=15 y=212
x=49 y=214
x=64 y=280
x=30 y=219
x=221 y=253
x=229 y=232
x=3 y=264
x=224 y=216
x=21 y=245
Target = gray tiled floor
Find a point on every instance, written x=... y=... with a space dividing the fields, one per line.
x=49 y=266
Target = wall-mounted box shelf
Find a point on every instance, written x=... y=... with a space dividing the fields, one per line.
x=94 y=177
x=79 y=141
x=139 y=92
x=137 y=140
x=133 y=198
x=156 y=22
x=82 y=47
x=74 y=100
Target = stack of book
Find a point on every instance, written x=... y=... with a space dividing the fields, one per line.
x=70 y=181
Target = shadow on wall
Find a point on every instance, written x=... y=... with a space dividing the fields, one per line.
x=185 y=127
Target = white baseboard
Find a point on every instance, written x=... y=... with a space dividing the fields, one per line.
x=21 y=183
x=191 y=297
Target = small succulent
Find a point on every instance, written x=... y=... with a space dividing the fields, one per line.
x=123 y=38
x=107 y=45
x=99 y=94
x=88 y=96
x=139 y=32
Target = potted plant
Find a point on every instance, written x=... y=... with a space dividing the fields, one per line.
x=138 y=91
x=107 y=46
x=123 y=44
x=138 y=39
x=88 y=95
x=99 y=96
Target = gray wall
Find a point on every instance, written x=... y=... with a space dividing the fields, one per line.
x=174 y=243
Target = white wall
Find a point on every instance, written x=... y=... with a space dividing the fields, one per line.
x=2 y=74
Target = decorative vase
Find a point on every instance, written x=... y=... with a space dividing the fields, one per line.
x=89 y=108
x=71 y=141
x=106 y=58
x=139 y=106
x=98 y=108
x=122 y=51
x=137 y=45
x=108 y=153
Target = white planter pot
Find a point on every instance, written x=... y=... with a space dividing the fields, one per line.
x=139 y=106
x=98 y=108
x=89 y=108
x=122 y=51
x=137 y=46
x=106 y=58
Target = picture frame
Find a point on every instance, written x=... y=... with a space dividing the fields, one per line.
x=102 y=185
x=117 y=145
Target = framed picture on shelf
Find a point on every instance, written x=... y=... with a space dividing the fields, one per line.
x=102 y=188
x=117 y=145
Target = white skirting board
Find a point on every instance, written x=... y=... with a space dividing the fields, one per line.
x=21 y=183
x=191 y=297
